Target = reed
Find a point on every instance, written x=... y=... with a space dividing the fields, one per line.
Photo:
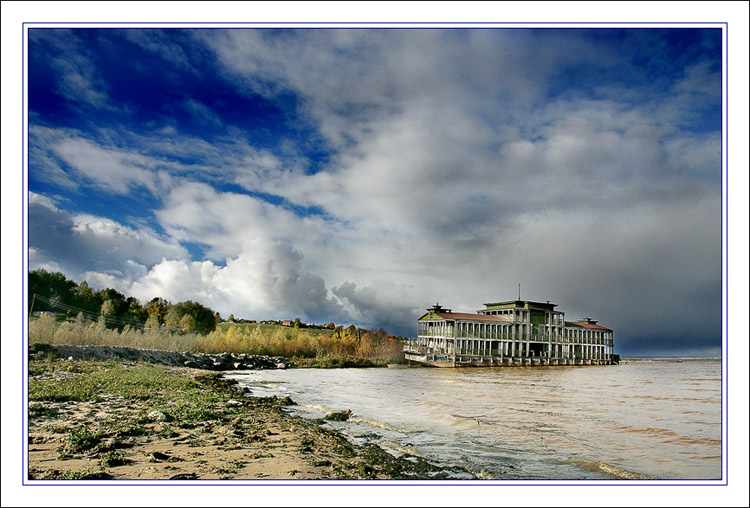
x=332 y=348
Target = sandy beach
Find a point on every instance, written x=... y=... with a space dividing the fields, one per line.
x=99 y=419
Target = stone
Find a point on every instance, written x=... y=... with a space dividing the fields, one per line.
x=184 y=476
x=340 y=416
x=159 y=457
x=159 y=416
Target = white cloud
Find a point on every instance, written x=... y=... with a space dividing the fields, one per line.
x=225 y=221
x=113 y=170
x=267 y=280
x=83 y=243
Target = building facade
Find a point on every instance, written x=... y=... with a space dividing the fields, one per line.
x=514 y=332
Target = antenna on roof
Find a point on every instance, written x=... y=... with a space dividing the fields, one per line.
x=519 y=291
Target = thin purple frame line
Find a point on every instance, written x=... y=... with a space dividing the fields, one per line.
x=725 y=261
x=724 y=226
x=645 y=23
x=319 y=483
x=24 y=274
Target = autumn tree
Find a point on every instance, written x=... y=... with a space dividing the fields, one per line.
x=202 y=318
x=158 y=309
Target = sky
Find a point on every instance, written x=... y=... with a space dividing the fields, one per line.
x=363 y=175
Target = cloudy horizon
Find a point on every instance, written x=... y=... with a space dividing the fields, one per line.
x=362 y=175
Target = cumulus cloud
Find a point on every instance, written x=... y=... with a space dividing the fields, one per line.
x=225 y=221
x=81 y=243
x=267 y=280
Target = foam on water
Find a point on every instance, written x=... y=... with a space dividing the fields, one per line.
x=382 y=425
x=611 y=470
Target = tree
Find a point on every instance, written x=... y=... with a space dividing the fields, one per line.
x=119 y=302
x=52 y=286
x=202 y=317
x=108 y=309
x=136 y=312
x=87 y=300
x=172 y=319
x=153 y=321
x=158 y=307
x=187 y=323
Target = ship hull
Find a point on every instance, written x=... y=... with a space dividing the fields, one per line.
x=448 y=361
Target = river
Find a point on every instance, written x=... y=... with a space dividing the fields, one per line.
x=656 y=419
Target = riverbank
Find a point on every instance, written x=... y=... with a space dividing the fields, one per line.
x=207 y=361
x=111 y=420
x=219 y=362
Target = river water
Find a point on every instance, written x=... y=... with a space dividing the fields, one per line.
x=639 y=420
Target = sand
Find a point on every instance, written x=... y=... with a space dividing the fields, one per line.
x=245 y=438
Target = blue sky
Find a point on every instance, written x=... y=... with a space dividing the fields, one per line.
x=361 y=175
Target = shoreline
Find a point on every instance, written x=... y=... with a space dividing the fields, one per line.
x=204 y=361
x=94 y=419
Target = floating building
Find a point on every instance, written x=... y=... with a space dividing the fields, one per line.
x=514 y=332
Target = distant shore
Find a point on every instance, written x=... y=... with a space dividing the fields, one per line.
x=105 y=419
x=668 y=359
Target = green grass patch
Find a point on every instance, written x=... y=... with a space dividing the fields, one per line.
x=127 y=426
x=113 y=459
x=40 y=410
x=334 y=362
x=189 y=401
x=141 y=382
x=83 y=474
x=52 y=366
x=82 y=440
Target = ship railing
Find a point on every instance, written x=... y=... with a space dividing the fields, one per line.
x=524 y=338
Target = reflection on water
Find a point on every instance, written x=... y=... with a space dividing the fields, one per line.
x=659 y=420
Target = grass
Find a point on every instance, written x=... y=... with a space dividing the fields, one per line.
x=40 y=410
x=81 y=440
x=187 y=400
x=96 y=378
x=113 y=459
x=270 y=329
x=83 y=474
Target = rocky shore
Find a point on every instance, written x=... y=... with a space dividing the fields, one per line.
x=92 y=418
x=217 y=362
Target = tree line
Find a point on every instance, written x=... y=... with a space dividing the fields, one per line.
x=54 y=292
